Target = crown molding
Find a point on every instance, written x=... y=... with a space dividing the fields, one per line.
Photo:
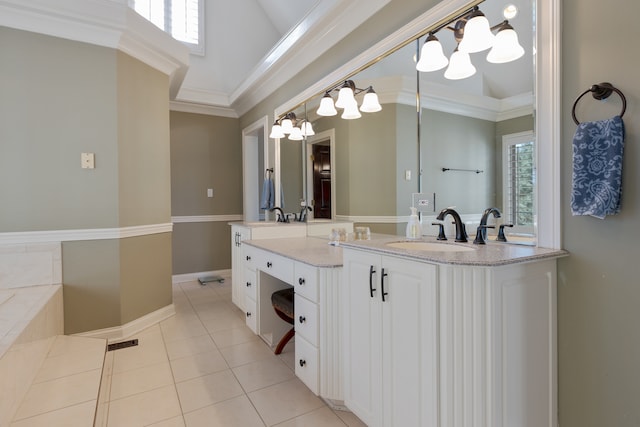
x=324 y=26
x=111 y=24
x=209 y=110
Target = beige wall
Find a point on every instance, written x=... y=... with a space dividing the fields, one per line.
x=57 y=100
x=206 y=152
x=61 y=98
x=598 y=284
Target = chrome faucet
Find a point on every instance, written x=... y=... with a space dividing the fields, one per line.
x=482 y=228
x=281 y=217
x=461 y=232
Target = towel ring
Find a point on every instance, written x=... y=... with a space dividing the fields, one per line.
x=600 y=91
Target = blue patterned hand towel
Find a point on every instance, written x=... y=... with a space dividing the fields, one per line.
x=597 y=168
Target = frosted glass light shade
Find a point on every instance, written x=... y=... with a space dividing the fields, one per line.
x=287 y=126
x=351 y=111
x=370 y=103
x=276 y=131
x=477 y=34
x=326 y=106
x=307 y=129
x=460 y=66
x=432 y=58
x=506 y=47
x=345 y=97
x=296 y=134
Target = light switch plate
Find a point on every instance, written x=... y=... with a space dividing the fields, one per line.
x=209 y=192
x=87 y=160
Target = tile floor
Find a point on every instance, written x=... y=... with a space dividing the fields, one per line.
x=204 y=367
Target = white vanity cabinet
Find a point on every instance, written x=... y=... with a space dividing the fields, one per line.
x=318 y=317
x=451 y=345
x=390 y=342
x=240 y=232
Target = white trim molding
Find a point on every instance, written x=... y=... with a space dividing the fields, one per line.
x=209 y=110
x=118 y=333
x=103 y=23
x=206 y=218
x=85 y=234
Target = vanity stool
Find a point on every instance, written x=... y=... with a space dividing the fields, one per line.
x=282 y=302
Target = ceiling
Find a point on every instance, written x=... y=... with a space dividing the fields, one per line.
x=253 y=46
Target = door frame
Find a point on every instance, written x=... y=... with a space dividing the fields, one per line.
x=319 y=137
x=250 y=148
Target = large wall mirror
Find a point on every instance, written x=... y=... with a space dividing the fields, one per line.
x=457 y=148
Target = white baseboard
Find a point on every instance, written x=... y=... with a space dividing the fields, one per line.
x=190 y=277
x=118 y=333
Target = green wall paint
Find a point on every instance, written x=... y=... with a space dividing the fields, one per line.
x=62 y=98
x=58 y=100
x=598 y=292
x=206 y=152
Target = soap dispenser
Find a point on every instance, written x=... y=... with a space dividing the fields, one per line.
x=414 y=229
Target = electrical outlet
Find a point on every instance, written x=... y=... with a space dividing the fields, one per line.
x=87 y=160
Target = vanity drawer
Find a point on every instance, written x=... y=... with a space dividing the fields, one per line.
x=306 y=281
x=306 y=319
x=307 y=368
x=276 y=266
x=249 y=257
x=251 y=314
x=250 y=283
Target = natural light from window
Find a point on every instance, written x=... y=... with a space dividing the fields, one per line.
x=518 y=176
x=183 y=19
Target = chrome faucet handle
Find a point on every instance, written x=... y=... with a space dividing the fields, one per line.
x=501 y=237
x=441 y=235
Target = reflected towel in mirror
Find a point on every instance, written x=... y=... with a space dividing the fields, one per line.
x=597 y=168
x=268 y=194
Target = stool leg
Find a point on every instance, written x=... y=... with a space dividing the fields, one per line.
x=285 y=339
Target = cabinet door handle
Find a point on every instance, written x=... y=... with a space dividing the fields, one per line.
x=302 y=362
x=248 y=258
x=371 y=288
x=269 y=264
x=383 y=293
x=302 y=319
x=248 y=314
x=248 y=284
x=301 y=281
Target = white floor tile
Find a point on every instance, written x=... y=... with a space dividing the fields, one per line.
x=173 y=422
x=145 y=408
x=263 y=373
x=190 y=346
x=80 y=415
x=229 y=337
x=60 y=393
x=207 y=390
x=237 y=412
x=140 y=380
x=323 y=417
x=284 y=401
x=242 y=354
x=197 y=365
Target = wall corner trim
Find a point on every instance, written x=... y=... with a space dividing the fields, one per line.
x=118 y=333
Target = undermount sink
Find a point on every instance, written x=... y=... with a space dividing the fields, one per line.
x=430 y=246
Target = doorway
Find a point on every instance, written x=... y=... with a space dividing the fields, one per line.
x=255 y=161
x=321 y=163
x=321 y=176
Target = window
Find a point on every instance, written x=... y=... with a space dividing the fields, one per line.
x=518 y=176
x=183 y=19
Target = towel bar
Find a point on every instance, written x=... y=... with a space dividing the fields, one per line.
x=600 y=91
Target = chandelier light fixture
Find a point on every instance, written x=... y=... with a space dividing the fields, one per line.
x=346 y=101
x=290 y=125
x=473 y=34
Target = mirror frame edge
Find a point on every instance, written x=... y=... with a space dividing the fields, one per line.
x=547 y=100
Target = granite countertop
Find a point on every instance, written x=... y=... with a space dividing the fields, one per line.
x=318 y=252
x=314 y=251
x=492 y=254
